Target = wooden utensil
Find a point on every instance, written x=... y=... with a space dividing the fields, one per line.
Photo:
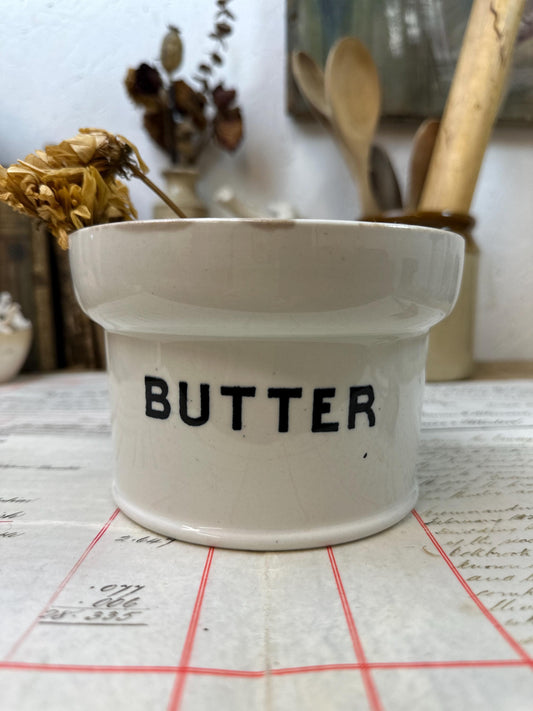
x=383 y=180
x=354 y=97
x=421 y=152
x=472 y=105
x=309 y=78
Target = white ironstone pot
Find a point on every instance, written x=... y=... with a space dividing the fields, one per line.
x=266 y=376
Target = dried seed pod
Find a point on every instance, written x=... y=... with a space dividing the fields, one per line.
x=228 y=128
x=171 y=50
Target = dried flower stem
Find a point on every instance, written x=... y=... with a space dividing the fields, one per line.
x=139 y=174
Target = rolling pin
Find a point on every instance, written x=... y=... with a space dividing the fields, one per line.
x=472 y=105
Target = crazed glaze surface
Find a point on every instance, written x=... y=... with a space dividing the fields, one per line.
x=266 y=384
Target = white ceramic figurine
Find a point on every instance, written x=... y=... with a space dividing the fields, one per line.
x=15 y=337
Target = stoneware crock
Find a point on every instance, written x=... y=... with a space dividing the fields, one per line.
x=266 y=376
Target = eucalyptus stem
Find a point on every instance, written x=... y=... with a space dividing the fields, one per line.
x=139 y=174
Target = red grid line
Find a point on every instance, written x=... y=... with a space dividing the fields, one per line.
x=262 y=673
x=179 y=685
x=485 y=611
x=63 y=583
x=453 y=664
x=362 y=665
x=371 y=691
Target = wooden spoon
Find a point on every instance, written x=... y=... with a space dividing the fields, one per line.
x=383 y=180
x=354 y=97
x=421 y=152
x=309 y=78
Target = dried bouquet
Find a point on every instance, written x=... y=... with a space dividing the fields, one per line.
x=182 y=118
x=75 y=184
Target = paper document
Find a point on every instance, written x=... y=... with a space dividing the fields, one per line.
x=435 y=613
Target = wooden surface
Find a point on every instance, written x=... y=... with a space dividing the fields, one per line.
x=504 y=370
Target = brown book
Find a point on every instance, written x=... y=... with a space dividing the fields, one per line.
x=36 y=272
x=44 y=317
x=77 y=341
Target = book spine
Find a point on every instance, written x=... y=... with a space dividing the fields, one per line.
x=76 y=329
x=44 y=320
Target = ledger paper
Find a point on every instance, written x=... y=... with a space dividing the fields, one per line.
x=96 y=612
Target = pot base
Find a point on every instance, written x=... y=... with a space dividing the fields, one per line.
x=267 y=540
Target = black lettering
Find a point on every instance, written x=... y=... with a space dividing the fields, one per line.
x=160 y=398
x=204 y=405
x=366 y=406
x=284 y=395
x=237 y=393
x=321 y=408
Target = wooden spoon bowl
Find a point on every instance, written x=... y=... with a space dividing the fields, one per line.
x=354 y=96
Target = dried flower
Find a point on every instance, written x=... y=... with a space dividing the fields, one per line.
x=74 y=184
x=227 y=128
x=179 y=119
x=155 y=123
x=144 y=85
x=190 y=103
x=223 y=97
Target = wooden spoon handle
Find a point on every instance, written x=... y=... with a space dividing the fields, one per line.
x=423 y=145
x=472 y=105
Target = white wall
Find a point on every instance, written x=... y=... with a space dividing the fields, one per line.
x=63 y=63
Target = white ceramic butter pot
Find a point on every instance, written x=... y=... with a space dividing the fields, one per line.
x=266 y=376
